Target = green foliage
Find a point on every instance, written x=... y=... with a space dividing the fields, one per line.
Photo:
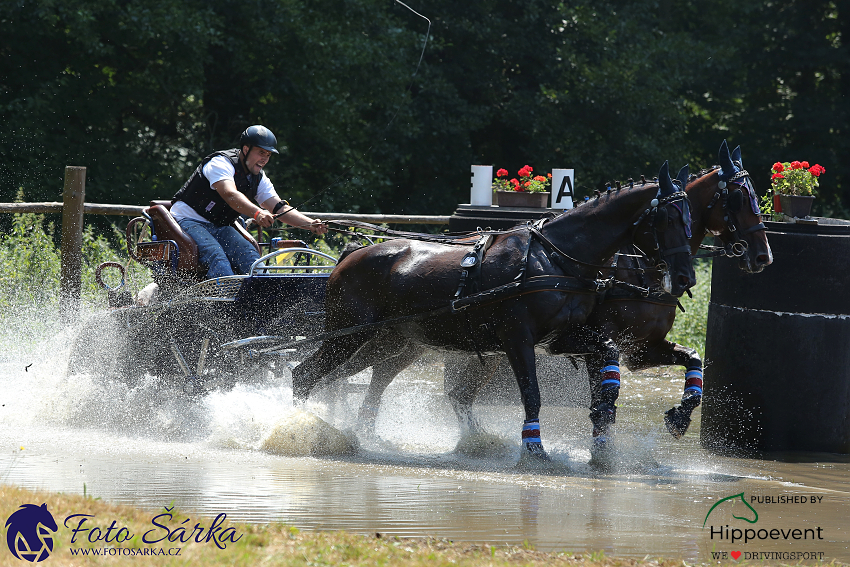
x=140 y=92
x=690 y=327
x=29 y=277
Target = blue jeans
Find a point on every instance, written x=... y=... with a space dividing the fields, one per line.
x=221 y=249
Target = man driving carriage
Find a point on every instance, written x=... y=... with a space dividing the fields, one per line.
x=225 y=186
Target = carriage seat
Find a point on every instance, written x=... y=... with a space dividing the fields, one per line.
x=182 y=261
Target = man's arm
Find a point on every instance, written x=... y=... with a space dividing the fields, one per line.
x=293 y=217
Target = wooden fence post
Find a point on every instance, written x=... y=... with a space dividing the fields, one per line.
x=73 y=197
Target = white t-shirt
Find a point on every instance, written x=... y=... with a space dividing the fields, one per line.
x=215 y=170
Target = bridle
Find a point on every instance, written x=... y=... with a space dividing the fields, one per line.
x=658 y=217
x=732 y=201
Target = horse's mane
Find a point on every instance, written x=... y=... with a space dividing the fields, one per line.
x=617 y=186
x=644 y=180
x=702 y=172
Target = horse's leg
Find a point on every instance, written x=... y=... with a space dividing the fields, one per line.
x=328 y=358
x=602 y=358
x=383 y=373
x=603 y=372
x=677 y=419
x=465 y=377
x=520 y=352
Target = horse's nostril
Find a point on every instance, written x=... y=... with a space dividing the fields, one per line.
x=762 y=259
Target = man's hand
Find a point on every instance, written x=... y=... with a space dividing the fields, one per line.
x=318 y=227
x=264 y=218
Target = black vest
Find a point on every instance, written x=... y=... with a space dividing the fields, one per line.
x=206 y=201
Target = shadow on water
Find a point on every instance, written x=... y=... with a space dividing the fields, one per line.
x=149 y=445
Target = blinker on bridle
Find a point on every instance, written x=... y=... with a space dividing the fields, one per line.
x=733 y=203
x=656 y=212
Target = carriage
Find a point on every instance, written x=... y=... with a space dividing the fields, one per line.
x=543 y=283
x=175 y=328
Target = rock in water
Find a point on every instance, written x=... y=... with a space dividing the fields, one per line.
x=302 y=434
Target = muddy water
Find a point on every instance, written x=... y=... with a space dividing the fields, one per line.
x=152 y=447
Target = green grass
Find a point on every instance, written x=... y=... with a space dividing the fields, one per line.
x=690 y=326
x=271 y=544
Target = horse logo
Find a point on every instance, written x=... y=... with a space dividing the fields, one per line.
x=733 y=497
x=30 y=533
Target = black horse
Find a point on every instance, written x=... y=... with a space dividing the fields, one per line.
x=722 y=202
x=539 y=282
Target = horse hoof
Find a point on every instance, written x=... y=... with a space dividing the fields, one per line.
x=677 y=422
x=536 y=450
x=602 y=453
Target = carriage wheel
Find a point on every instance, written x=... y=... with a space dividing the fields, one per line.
x=201 y=365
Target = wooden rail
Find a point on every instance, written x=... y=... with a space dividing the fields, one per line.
x=74 y=208
x=134 y=211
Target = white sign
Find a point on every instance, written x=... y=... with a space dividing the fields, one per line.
x=563 y=182
x=482 y=186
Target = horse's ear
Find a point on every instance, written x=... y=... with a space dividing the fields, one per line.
x=736 y=156
x=682 y=177
x=664 y=181
x=727 y=168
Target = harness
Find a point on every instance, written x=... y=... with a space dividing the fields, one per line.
x=466 y=297
x=722 y=195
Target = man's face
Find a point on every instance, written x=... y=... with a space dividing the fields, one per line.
x=256 y=159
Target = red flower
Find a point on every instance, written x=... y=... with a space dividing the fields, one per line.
x=777 y=176
x=817 y=170
x=796 y=165
x=549 y=175
x=525 y=171
x=515 y=182
x=778 y=167
x=540 y=178
x=502 y=173
x=805 y=165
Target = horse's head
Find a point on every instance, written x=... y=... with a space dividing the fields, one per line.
x=663 y=231
x=726 y=203
x=28 y=527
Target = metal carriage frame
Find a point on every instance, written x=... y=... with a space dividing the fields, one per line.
x=177 y=337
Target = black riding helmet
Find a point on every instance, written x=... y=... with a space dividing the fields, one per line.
x=259 y=136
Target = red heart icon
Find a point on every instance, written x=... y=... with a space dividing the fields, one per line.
x=735 y=555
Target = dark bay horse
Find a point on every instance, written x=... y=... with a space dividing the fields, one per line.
x=722 y=202
x=550 y=271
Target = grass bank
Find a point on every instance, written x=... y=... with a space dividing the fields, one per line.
x=266 y=544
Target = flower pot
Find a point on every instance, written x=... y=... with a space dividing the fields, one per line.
x=777 y=204
x=522 y=199
x=797 y=206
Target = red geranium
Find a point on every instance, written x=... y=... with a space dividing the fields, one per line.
x=795 y=178
x=526 y=182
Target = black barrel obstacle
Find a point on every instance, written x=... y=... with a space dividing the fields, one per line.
x=777 y=374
